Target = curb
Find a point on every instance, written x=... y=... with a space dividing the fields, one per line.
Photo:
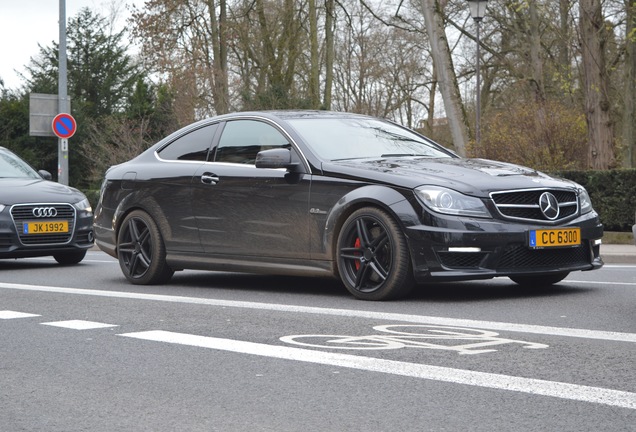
x=618 y=253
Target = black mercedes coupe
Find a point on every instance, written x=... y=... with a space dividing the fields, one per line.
x=39 y=217
x=315 y=193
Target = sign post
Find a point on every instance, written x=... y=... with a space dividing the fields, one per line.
x=62 y=152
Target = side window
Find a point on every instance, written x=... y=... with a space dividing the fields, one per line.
x=242 y=139
x=193 y=146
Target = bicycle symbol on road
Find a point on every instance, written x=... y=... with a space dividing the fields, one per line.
x=465 y=341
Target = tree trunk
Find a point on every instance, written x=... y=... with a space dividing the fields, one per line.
x=597 y=105
x=219 y=62
x=314 y=74
x=536 y=62
x=629 y=115
x=564 y=38
x=329 y=56
x=446 y=78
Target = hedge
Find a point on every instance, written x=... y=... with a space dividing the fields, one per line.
x=613 y=195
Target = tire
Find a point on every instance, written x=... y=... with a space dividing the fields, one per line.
x=70 y=258
x=540 y=280
x=141 y=252
x=373 y=257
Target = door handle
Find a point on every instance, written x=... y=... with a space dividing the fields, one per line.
x=209 y=178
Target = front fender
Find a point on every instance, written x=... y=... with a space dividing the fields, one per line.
x=392 y=201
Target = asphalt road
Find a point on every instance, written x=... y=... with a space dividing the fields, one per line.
x=82 y=350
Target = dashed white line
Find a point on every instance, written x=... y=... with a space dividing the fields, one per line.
x=560 y=390
x=7 y=314
x=79 y=325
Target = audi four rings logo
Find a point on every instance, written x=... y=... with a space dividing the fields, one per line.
x=41 y=212
x=549 y=205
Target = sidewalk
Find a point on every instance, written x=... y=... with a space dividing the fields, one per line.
x=618 y=253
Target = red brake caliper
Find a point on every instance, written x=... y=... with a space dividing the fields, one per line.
x=357 y=245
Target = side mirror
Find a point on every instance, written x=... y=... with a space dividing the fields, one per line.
x=45 y=175
x=275 y=158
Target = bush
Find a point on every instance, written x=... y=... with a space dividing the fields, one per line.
x=613 y=195
x=546 y=136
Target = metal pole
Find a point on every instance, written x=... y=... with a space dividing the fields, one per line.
x=478 y=110
x=62 y=147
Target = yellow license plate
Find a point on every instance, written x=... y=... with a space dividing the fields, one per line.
x=48 y=227
x=556 y=237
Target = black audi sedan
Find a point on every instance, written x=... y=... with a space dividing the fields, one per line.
x=316 y=193
x=39 y=217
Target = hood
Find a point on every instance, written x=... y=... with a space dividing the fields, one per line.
x=24 y=190
x=477 y=177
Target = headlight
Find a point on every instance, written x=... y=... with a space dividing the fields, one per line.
x=84 y=205
x=584 y=201
x=448 y=201
x=2 y=206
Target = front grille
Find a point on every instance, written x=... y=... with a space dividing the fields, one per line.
x=461 y=259
x=23 y=213
x=524 y=204
x=520 y=257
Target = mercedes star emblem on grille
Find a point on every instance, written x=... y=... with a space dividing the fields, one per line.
x=549 y=205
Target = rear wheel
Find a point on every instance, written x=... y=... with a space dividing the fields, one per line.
x=539 y=280
x=141 y=252
x=373 y=257
x=70 y=258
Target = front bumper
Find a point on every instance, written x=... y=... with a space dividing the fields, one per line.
x=464 y=249
x=12 y=245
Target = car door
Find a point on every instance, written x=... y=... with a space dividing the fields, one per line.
x=244 y=210
x=171 y=188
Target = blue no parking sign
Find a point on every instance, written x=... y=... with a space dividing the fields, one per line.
x=64 y=125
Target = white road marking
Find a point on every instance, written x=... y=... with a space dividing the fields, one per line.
x=7 y=314
x=616 y=398
x=353 y=313
x=463 y=341
x=579 y=282
x=85 y=260
x=79 y=324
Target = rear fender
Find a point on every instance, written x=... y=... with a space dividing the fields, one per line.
x=134 y=201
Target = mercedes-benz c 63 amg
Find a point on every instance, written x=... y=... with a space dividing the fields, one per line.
x=379 y=206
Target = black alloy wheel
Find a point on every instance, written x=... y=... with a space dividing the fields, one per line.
x=141 y=252
x=373 y=257
x=539 y=280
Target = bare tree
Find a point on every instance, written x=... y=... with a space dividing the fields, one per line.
x=330 y=22
x=185 y=42
x=446 y=79
x=596 y=84
x=629 y=95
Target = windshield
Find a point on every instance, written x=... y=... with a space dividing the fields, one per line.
x=12 y=166
x=355 y=138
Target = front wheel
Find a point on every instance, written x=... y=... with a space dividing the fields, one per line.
x=141 y=252
x=539 y=280
x=373 y=257
x=70 y=258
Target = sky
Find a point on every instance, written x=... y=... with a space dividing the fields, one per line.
x=26 y=23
